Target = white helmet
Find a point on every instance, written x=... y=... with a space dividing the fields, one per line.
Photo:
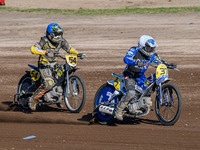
x=147 y=45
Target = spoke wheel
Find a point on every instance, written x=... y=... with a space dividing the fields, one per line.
x=25 y=83
x=76 y=94
x=102 y=96
x=169 y=112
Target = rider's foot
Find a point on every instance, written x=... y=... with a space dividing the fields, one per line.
x=60 y=105
x=32 y=104
x=119 y=113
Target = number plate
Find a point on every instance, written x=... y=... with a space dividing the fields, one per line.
x=71 y=59
x=161 y=73
x=34 y=75
x=117 y=82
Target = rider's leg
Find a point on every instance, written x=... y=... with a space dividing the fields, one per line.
x=130 y=88
x=48 y=83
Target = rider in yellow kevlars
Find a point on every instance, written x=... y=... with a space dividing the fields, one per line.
x=46 y=48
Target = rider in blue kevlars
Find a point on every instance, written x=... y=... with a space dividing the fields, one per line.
x=137 y=60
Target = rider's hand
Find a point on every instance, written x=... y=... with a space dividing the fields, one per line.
x=141 y=63
x=81 y=55
x=49 y=54
x=172 y=65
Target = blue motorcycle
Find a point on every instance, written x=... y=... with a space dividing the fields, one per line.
x=168 y=101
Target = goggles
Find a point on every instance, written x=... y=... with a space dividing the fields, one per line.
x=149 y=49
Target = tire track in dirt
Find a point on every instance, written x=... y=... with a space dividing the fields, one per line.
x=4 y=107
x=13 y=117
x=7 y=115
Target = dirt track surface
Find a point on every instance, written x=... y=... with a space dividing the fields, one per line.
x=99 y=4
x=105 y=40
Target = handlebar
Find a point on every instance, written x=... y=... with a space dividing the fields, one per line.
x=168 y=66
x=57 y=55
x=80 y=55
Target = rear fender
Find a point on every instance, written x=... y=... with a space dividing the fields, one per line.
x=34 y=67
x=111 y=82
x=35 y=73
x=117 y=82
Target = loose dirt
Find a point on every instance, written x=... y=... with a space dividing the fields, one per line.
x=105 y=40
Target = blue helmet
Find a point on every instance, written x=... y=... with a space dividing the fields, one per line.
x=54 y=32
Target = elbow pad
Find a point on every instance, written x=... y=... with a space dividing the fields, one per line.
x=73 y=51
x=129 y=60
x=35 y=50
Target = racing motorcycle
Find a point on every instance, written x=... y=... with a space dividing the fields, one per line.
x=168 y=101
x=68 y=85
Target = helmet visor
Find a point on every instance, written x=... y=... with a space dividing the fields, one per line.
x=149 y=49
x=58 y=33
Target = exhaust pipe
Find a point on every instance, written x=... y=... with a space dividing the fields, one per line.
x=106 y=109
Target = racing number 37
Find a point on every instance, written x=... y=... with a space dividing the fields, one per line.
x=163 y=71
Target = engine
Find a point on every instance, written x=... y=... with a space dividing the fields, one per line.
x=141 y=107
x=54 y=95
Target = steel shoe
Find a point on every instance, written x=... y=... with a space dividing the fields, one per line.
x=60 y=105
x=119 y=113
x=32 y=104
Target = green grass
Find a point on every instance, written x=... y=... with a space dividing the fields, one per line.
x=120 y=11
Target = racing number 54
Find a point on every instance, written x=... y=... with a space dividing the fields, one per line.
x=72 y=59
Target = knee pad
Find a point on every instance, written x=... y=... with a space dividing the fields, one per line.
x=49 y=83
x=130 y=94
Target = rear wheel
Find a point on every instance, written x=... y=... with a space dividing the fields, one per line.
x=25 y=90
x=102 y=95
x=76 y=94
x=169 y=112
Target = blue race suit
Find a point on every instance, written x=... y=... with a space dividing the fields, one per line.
x=134 y=73
x=132 y=70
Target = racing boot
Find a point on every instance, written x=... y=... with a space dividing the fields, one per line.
x=60 y=105
x=119 y=113
x=32 y=103
x=123 y=103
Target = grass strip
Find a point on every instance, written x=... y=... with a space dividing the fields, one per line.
x=121 y=11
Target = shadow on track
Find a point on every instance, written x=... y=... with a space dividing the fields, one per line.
x=127 y=121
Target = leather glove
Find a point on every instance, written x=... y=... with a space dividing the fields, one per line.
x=141 y=63
x=81 y=55
x=49 y=54
x=172 y=65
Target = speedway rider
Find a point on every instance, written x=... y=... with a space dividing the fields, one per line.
x=137 y=60
x=46 y=49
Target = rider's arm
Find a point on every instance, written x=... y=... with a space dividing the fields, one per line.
x=68 y=48
x=159 y=60
x=37 y=48
x=128 y=59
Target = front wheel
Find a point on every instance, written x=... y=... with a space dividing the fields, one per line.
x=76 y=94
x=169 y=111
x=102 y=96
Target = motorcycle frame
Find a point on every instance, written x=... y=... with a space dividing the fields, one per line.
x=156 y=87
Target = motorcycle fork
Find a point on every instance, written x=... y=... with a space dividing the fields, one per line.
x=159 y=96
x=67 y=79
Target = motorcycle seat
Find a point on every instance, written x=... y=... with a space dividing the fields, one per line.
x=34 y=67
